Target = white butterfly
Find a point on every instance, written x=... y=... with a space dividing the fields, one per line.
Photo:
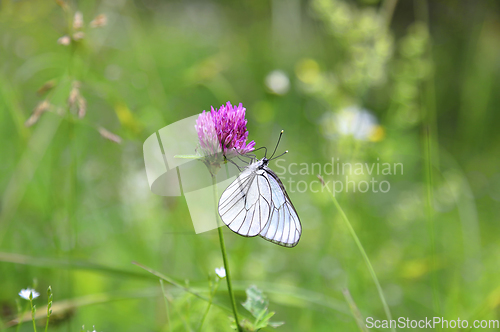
x=256 y=203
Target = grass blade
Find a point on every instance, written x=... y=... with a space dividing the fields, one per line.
x=362 y=251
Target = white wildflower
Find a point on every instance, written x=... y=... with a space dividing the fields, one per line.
x=25 y=293
x=220 y=271
x=358 y=123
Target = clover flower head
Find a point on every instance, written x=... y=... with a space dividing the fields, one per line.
x=220 y=271
x=26 y=293
x=207 y=135
x=224 y=131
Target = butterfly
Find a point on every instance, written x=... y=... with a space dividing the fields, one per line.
x=256 y=203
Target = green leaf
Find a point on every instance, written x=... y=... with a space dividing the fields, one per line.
x=261 y=323
x=268 y=316
x=256 y=302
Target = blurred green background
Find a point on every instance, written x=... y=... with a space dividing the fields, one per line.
x=76 y=208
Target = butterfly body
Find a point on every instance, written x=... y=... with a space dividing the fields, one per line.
x=256 y=203
x=263 y=163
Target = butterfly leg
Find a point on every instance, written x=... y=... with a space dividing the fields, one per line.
x=238 y=167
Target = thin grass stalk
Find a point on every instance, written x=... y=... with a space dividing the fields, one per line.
x=205 y=314
x=184 y=321
x=430 y=219
x=212 y=294
x=431 y=155
x=166 y=306
x=363 y=253
x=354 y=310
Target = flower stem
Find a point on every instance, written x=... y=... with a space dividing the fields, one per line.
x=49 y=307
x=210 y=300
x=224 y=256
x=47 y=324
x=205 y=314
x=363 y=253
x=33 y=311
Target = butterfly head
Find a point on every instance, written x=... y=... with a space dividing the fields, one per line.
x=264 y=162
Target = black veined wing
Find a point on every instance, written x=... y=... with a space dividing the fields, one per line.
x=256 y=203
x=284 y=226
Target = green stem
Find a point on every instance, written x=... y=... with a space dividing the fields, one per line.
x=363 y=253
x=205 y=314
x=186 y=325
x=50 y=297
x=430 y=221
x=224 y=256
x=210 y=300
x=354 y=310
x=431 y=154
x=47 y=323
x=166 y=305
x=33 y=315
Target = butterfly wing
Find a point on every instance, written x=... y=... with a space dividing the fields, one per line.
x=284 y=227
x=246 y=204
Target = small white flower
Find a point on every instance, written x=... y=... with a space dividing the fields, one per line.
x=353 y=121
x=220 y=271
x=357 y=122
x=25 y=293
x=278 y=82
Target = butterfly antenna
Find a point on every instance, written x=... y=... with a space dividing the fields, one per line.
x=279 y=155
x=279 y=139
x=255 y=157
x=265 y=153
x=249 y=155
